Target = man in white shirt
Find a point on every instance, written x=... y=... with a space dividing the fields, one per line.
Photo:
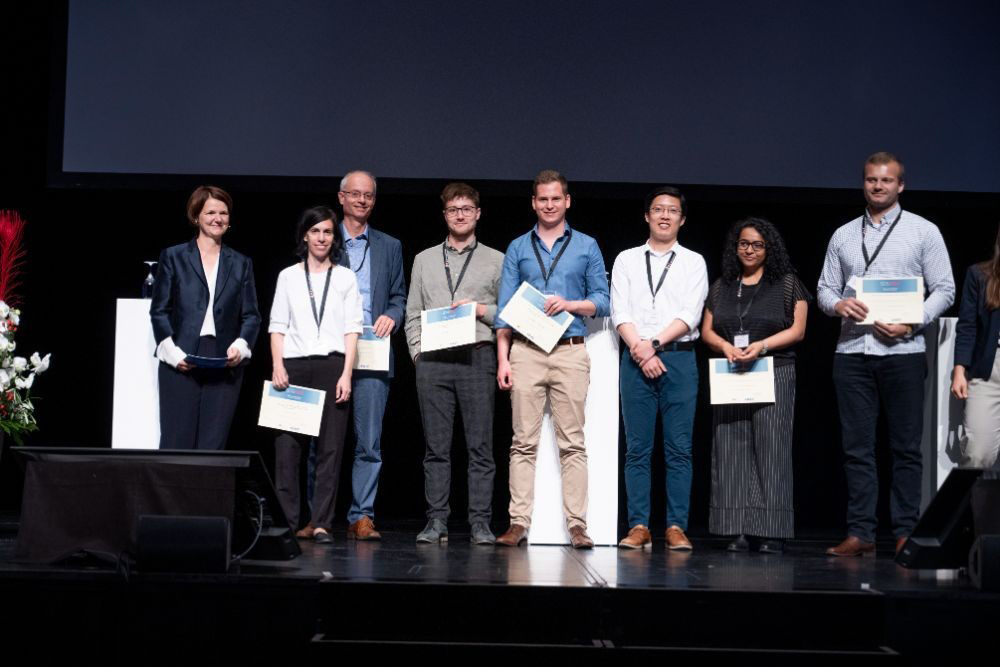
x=657 y=293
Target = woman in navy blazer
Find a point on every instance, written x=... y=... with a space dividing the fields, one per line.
x=204 y=304
x=976 y=376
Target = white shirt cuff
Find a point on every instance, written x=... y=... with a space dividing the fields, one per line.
x=241 y=347
x=168 y=352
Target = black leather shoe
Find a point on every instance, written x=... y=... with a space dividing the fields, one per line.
x=771 y=547
x=322 y=537
x=740 y=544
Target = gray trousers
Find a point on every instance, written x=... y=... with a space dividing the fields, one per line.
x=466 y=378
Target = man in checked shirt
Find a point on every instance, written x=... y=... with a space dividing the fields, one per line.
x=881 y=364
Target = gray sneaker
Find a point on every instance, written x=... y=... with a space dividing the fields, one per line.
x=481 y=534
x=436 y=530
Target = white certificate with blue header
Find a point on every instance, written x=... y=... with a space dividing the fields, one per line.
x=373 y=352
x=294 y=409
x=441 y=328
x=741 y=383
x=892 y=300
x=526 y=313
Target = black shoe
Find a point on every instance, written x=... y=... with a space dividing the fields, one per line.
x=771 y=546
x=322 y=537
x=740 y=544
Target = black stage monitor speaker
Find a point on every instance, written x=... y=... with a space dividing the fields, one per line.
x=182 y=544
x=89 y=500
x=943 y=536
x=984 y=563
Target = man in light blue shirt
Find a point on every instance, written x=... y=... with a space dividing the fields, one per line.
x=568 y=267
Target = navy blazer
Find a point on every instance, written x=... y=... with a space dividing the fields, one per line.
x=180 y=299
x=978 y=327
x=388 y=286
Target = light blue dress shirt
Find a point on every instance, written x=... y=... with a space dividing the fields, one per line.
x=359 y=254
x=579 y=275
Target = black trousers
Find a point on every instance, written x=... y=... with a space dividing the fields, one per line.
x=197 y=407
x=290 y=448
x=864 y=385
x=466 y=378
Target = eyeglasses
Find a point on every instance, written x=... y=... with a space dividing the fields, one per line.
x=660 y=210
x=452 y=211
x=756 y=245
x=357 y=194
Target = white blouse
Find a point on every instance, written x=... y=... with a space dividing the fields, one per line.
x=292 y=312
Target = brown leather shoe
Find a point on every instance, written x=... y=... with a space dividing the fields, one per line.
x=900 y=543
x=515 y=536
x=363 y=529
x=306 y=532
x=638 y=538
x=579 y=538
x=677 y=540
x=852 y=546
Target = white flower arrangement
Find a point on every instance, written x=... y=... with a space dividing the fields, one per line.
x=17 y=375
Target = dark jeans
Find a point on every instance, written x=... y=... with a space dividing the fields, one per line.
x=289 y=448
x=465 y=377
x=197 y=406
x=895 y=384
x=672 y=397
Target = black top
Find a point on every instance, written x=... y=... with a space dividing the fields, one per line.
x=767 y=308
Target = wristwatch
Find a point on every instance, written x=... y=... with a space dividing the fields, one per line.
x=656 y=345
x=763 y=350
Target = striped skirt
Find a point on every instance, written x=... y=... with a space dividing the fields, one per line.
x=752 y=465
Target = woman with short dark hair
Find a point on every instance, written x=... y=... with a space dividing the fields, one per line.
x=757 y=308
x=205 y=319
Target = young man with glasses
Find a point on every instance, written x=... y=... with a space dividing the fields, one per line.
x=453 y=273
x=657 y=293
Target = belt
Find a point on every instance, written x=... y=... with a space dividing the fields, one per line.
x=569 y=340
x=678 y=346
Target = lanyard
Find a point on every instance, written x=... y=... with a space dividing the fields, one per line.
x=739 y=297
x=649 y=272
x=447 y=268
x=364 y=256
x=312 y=299
x=878 y=249
x=552 y=266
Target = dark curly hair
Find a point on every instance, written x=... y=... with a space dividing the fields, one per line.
x=776 y=262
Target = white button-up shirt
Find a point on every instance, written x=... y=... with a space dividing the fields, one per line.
x=681 y=297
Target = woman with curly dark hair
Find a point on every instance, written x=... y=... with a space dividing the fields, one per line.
x=757 y=308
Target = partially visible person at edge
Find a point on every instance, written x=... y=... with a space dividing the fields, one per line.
x=756 y=309
x=204 y=304
x=976 y=376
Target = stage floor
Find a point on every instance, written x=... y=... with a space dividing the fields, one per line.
x=605 y=597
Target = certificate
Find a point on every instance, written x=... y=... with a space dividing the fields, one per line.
x=441 y=328
x=373 y=352
x=892 y=300
x=526 y=313
x=296 y=409
x=741 y=383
